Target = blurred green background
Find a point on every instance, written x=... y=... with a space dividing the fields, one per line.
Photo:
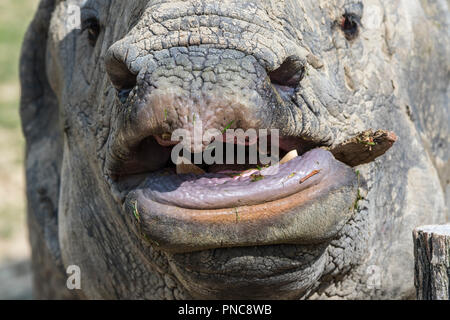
x=15 y=15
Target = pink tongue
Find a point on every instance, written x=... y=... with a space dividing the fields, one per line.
x=218 y=191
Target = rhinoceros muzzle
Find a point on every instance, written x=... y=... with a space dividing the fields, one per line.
x=306 y=197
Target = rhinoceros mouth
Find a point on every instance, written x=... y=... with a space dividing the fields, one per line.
x=238 y=185
x=305 y=200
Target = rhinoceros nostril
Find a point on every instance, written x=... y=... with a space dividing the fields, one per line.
x=290 y=73
x=120 y=75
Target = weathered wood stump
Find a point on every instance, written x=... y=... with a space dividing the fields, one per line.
x=432 y=262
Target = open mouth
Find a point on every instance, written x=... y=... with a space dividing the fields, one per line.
x=300 y=167
x=306 y=197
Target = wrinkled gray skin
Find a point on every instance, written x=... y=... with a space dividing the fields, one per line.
x=393 y=76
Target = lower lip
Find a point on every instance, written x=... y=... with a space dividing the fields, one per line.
x=313 y=215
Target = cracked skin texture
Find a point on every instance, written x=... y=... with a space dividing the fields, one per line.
x=212 y=58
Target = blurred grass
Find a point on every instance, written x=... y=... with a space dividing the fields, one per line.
x=15 y=15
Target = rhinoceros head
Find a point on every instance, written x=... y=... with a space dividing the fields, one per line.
x=105 y=85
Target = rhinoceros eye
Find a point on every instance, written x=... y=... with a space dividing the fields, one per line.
x=92 y=27
x=350 y=24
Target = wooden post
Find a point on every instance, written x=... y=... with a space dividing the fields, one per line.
x=432 y=262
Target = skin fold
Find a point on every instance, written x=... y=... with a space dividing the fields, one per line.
x=226 y=61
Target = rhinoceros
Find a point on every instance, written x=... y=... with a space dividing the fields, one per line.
x=104 y=82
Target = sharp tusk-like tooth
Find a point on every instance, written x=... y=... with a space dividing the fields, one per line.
x=185 y=167
x=288 y=157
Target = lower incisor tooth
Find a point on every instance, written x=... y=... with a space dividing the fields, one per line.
x=185 y=168
x=288 y=157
